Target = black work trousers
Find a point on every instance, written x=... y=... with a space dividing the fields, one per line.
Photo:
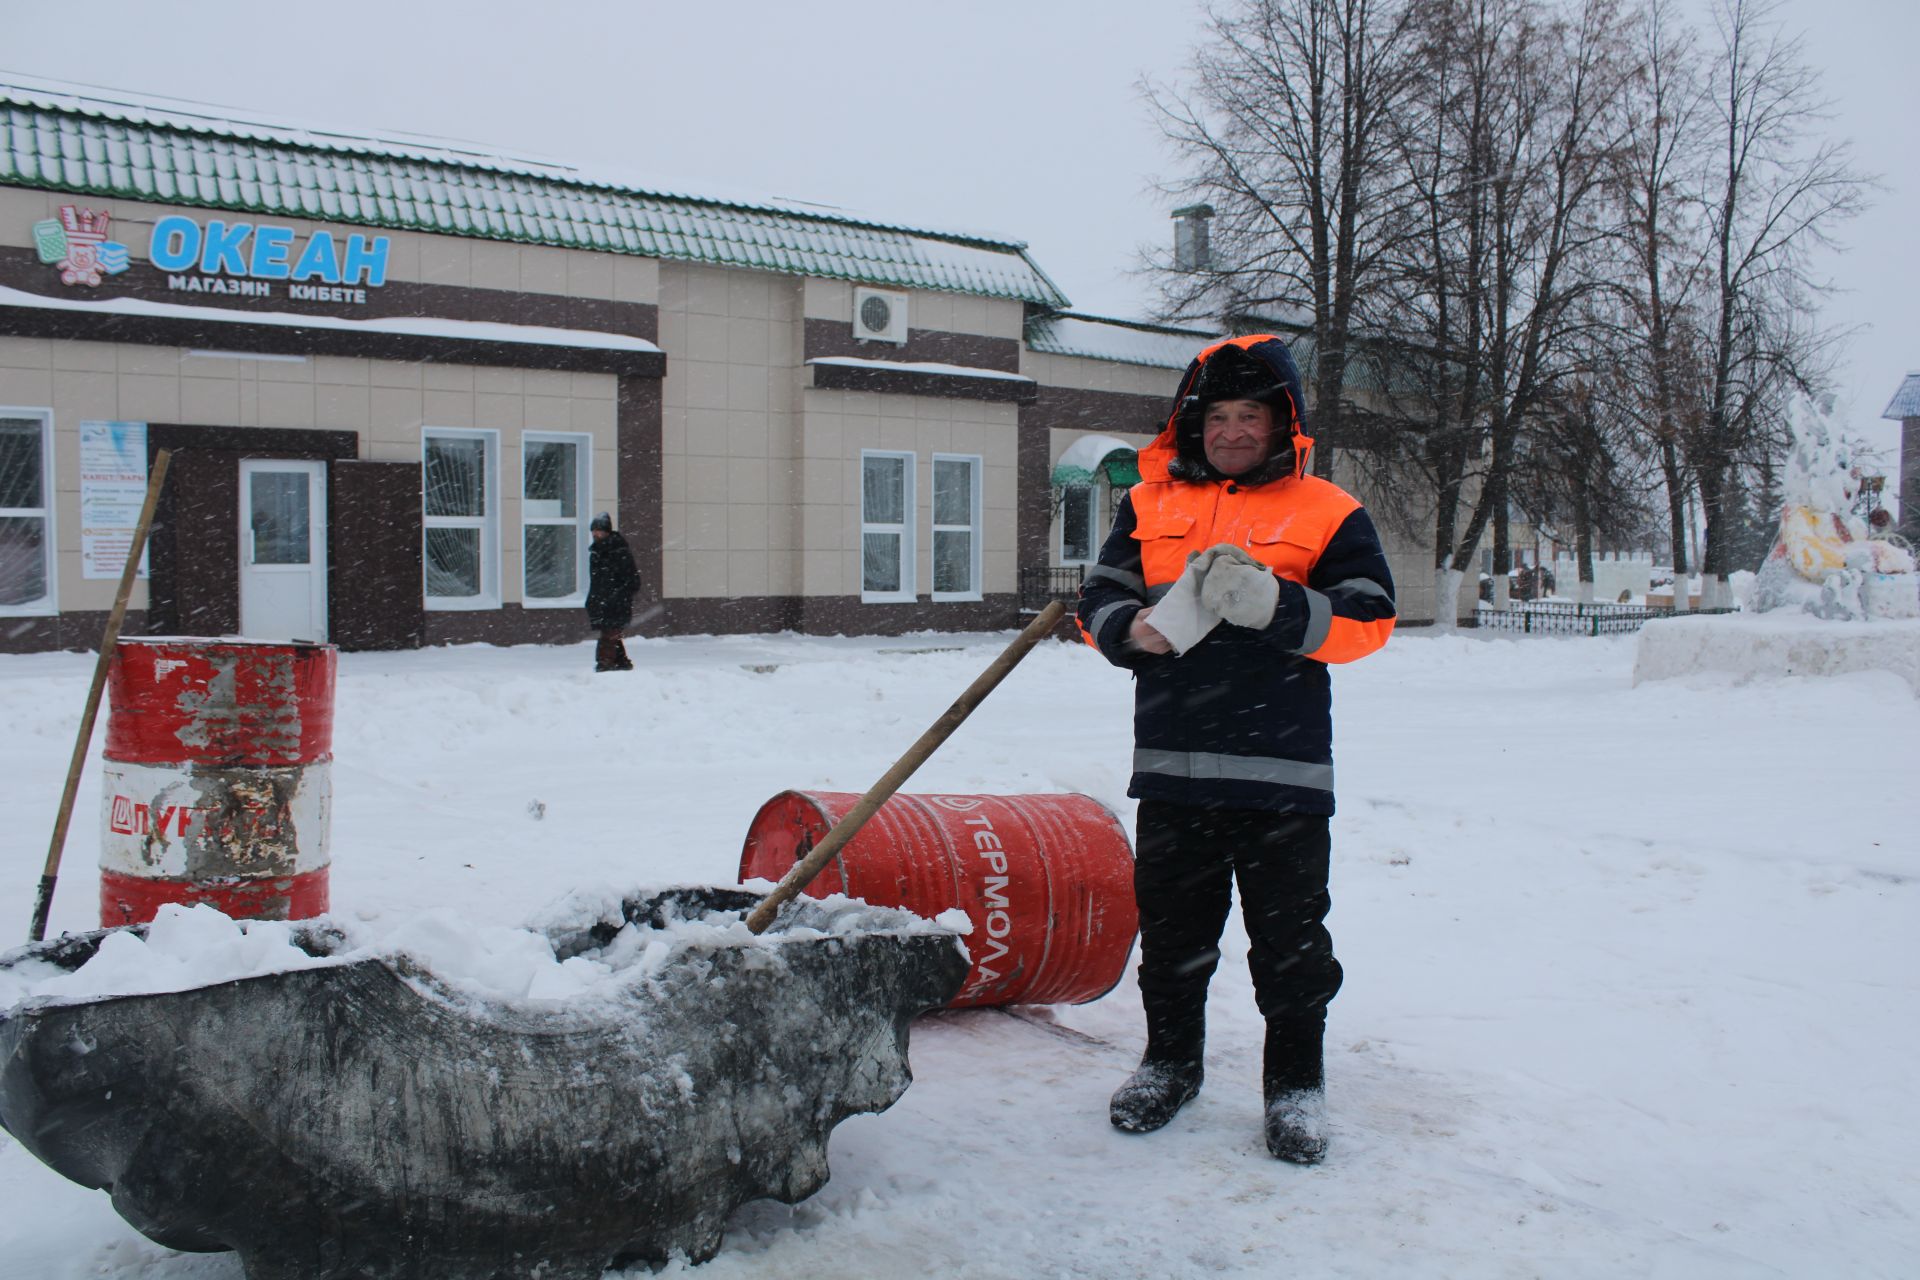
x=1185 y=862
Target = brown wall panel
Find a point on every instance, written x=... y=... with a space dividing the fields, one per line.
x=374 y=576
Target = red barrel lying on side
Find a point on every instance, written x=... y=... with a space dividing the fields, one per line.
x=1046 y=879
x=217 y=774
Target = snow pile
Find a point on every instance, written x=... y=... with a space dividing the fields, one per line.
x=1749 y=646
x=196 y=946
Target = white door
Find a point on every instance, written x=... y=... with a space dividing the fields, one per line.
x=283 y=549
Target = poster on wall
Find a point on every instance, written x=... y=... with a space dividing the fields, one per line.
x=113 y=484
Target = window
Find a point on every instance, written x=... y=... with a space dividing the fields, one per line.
x=554 y=486
x=886 y=527
x=956 y=527
x=26 y=511
x=1079 y=534
x=460 y=472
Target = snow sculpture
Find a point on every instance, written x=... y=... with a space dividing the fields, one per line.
x=1826 y=561
x=367 y=1120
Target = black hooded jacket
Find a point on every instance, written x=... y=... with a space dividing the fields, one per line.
x=612 y=578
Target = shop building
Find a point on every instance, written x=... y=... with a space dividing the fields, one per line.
x=397 y=381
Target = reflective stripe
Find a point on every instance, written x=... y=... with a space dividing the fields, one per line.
x=1208 y=764
x=1158 y=593
x=1100 y=619
x=1319 y=621
x=1131 y=581
x=1360 y=587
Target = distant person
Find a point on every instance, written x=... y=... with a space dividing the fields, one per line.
x=612 y=579
x=1231 y=578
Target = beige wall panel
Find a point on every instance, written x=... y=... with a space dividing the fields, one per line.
x=285 y=404
x=706 y=480
x=706 y=574
x=504 y=382
x=1006 y=319
x=442 y=408
x=338 y=408
x=748 y=529
x=589 y=275
x=446 y=260
x=495 y=265
x=750 y=294
x=447 y=377
x=748 y=435
x=26 y=353
x=276 y=370
x=704 y=382
x=547 y=382
x=216 y=401
x=931 y=311
x=390 y=373
x=828 y=300
x=92 y=357
x=747 y=389
x=27 y=388
x=636 y=279
x=706 y=290
x=499 y=413
x=152 y=398
x=349 y=371
x=78 y=395
x=706 y=337
x=593 y=386
x=19 y=210
x=397 y=414
x=826 y=573
x=747 y=573
x=747 y=481
x=707 y=433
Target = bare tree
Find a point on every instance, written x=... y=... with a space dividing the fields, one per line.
x=1285 y=130
x=1777 y=192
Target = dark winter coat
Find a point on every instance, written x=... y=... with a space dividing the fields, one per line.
x=1243 y=719
x=612 y=578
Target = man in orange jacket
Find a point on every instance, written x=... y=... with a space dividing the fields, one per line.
x=1261 y=576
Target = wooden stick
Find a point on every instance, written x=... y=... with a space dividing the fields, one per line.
x=844 y=830
x=51 y=873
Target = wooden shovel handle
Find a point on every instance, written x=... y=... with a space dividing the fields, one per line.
x=50 y=874
x=844 y=830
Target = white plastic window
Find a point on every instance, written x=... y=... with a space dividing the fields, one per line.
x=956 y=527
x=26 y=512
x=886 y=527
x=1079 y=524
x=555 y=484
x=460 y=480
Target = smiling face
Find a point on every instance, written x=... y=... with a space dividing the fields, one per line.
x=1237 y=435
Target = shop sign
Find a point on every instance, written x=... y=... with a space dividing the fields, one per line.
x=239 y=258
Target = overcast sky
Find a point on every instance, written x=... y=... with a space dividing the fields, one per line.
x=1020 y=117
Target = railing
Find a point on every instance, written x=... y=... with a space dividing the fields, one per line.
x=1553 y=618
x=1045 y=583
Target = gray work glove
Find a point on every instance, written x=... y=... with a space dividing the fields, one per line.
x=1179 y=616
x=1239 y=588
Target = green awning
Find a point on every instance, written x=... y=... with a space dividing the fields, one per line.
x=1094 y=456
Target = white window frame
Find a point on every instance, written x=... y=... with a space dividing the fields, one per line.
x=977 y=468
x=1094 y=504
x=49 y=604
x=488 y=523
x=583 y=480
x=905 y=529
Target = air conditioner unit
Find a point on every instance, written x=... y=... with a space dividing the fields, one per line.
x=879 y=315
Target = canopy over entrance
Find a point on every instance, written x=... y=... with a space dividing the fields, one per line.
x=1091 y=457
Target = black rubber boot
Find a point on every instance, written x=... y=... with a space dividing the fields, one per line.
x=1168 y=1076
x=1294 y=1084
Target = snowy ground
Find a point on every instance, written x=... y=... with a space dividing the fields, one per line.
x=1633 y=975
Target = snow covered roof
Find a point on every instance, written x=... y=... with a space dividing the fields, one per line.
x=1086 y=457
x=1906 y=401
x=1098 y=338
x=105 y=143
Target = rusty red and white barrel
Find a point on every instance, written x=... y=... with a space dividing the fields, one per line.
x=1047 y=880
x=218 y=778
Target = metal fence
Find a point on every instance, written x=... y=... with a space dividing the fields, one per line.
x=1045 y=583
x=1542 y=618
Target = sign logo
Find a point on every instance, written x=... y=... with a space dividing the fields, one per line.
x=77 y=243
